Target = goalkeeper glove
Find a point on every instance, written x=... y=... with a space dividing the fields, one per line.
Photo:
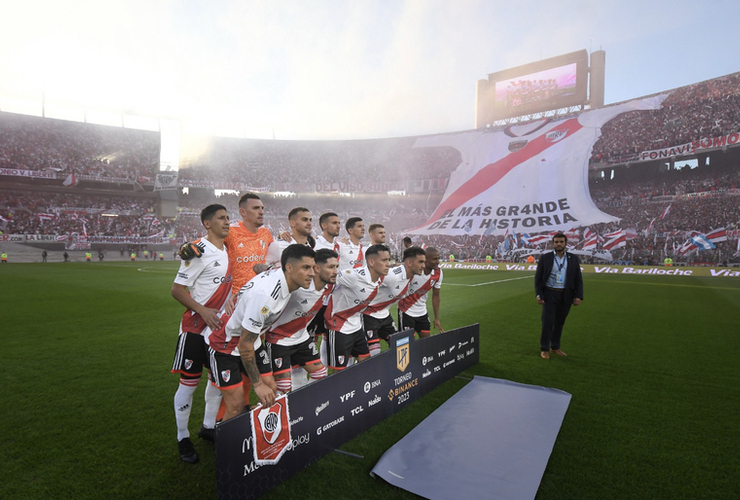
x=190 y=250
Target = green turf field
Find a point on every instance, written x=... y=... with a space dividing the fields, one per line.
x=87 y=411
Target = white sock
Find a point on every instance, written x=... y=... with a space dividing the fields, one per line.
x=318 y=374
x=323 y=355
x=298 y=377
x=283 y=385
x=213 y=403
x=183 y=405
x=374 y=348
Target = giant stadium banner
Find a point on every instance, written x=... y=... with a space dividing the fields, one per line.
x=530 y=177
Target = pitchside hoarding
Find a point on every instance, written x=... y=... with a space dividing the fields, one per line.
x=327 y=414
x=704 y=272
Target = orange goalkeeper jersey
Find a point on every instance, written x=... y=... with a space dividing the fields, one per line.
x=245 y=250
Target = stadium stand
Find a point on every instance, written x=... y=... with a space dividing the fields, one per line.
x=115 y=204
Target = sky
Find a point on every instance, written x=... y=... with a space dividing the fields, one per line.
x=349 y=69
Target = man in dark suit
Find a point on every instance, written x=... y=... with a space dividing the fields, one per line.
x=558 y=284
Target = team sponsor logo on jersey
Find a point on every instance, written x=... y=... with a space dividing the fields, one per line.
x=403 y=354
x=264 y=310
x=183 y=276
x=262 y=244
x=305 y=301
x=188 y=364
x=271 y=432
x=216 y=264
x=240 y=245
x=226 y=375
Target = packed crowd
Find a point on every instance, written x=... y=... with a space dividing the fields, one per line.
x=33 y=212
x=33 y=143
x=706 y=109
x=273 y=163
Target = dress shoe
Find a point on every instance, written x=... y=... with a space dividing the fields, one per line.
x=544 y=355
x=559 y=352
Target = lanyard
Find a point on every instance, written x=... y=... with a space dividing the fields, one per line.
x=561 y=263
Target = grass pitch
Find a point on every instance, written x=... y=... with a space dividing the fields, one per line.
x=87 y=411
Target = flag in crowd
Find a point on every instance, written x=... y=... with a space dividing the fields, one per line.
x=702 y=243
x=614 y=234
x=618 y=241
x=70 y=181
x=666 y=211
x=649 y=228
x=590 y=244
x=717 y=235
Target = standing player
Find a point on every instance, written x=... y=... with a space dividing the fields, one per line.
x=351 y=253
x=330 y=226
x=377 y=317
x=203 y=286
x=300 y=233
x=247 y=243
x=377 y=234
x=355 y=290
x=412 y=309
x=235 y=347
x=290 y=343
x=300 y=228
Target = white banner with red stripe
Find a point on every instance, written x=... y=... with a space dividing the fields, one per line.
x=529 y=178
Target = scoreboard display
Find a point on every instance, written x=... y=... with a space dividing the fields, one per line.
x=545 y=85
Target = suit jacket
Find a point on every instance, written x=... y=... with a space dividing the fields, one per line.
x=573 y=277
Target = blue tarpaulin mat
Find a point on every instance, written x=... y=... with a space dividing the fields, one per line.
x=490 y=440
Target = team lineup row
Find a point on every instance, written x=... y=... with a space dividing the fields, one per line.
x=274 y=315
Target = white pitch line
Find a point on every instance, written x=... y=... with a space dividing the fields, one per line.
x=490 y=282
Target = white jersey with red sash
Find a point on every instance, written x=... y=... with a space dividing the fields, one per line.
x=351 y=256
x=415 y=302
x=390 y=291
x=290 y=328
x=209 y=281
x=261 y=302
x=349 y=299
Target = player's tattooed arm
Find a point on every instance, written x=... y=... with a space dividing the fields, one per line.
x=246 y=350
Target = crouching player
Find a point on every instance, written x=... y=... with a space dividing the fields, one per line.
x=237 y=348
x=289 y=341
x=355 y=290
